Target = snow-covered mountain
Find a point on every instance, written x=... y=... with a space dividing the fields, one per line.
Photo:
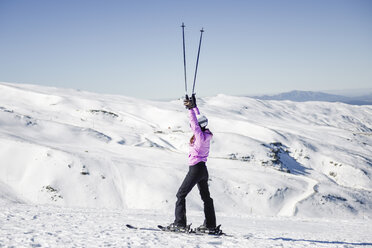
x=75 y=148
x=305 y=96
x=72 y=149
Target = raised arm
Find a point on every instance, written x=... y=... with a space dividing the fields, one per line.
x=190 y=104
x=195 y=127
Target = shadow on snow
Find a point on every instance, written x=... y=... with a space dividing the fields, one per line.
x=323 y=241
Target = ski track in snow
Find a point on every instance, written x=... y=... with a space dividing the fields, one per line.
x=289 y=209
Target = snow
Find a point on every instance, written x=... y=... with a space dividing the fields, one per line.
x=77 y=166
x=53 y=226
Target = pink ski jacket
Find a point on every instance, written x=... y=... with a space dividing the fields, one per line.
x=199 y=150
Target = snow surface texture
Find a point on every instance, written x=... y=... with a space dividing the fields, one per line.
x=76 y=167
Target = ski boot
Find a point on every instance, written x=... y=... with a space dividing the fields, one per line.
x=177 y=228
x=209 y=230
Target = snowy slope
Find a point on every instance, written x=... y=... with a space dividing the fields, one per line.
x=71 y=149
x=51 y=226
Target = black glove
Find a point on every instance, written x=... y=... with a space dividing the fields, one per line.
x=193 y=99
x=188 y=103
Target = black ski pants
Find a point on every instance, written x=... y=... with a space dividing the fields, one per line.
x=197 y=175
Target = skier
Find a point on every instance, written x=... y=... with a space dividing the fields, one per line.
x=198 y=173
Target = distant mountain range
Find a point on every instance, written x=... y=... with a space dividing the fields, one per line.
x=305 y=96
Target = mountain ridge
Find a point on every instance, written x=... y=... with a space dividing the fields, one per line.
x=304 y=96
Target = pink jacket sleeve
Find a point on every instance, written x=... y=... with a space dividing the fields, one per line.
x=199 y=136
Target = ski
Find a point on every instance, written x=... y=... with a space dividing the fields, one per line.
x=187 y=230
x=142 y=228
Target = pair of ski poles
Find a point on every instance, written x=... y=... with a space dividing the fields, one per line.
x=184 y=60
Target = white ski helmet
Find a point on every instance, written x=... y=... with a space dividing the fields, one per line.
x=203 y=121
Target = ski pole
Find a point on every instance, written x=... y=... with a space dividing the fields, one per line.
x=184 y=58
x=197 y=60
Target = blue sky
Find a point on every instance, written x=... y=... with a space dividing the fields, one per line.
x=134 y=48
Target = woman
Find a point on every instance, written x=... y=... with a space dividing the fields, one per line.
x=198 y=173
